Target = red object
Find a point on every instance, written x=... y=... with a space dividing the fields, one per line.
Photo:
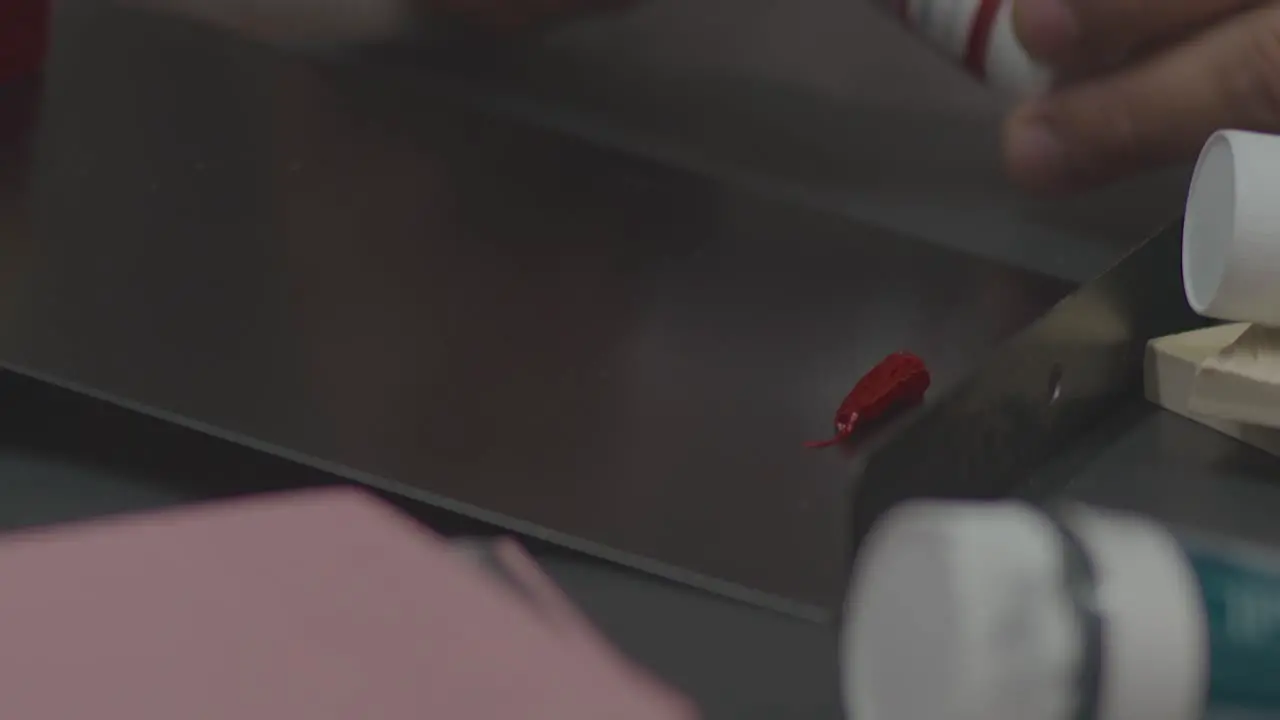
x=24 y=37
x=898 y=381
x=984 y=21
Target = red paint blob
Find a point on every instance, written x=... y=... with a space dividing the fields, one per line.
x=898 y=381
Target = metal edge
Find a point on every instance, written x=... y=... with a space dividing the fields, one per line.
x=1034 y=395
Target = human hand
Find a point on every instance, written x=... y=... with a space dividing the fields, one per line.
x=1154 y=79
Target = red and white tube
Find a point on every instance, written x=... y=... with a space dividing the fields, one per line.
x=980 y=35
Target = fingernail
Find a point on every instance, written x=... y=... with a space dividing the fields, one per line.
x=1046 y=28
x=1036 y=155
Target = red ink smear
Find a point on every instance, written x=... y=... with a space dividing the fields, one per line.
x=975 y=54
x=897 y=381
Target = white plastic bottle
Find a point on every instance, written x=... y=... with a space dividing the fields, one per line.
x=1003 y=611
x=980 y=35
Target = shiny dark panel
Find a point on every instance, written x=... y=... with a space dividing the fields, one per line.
x=1037 y=394
x=355 y=270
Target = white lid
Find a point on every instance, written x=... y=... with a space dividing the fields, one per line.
x=1156 y=649
x=959 y=610
x=1231 y=234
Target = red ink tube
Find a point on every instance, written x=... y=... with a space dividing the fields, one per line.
x=980 y=35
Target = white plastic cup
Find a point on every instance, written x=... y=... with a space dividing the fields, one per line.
x=1231 y=230
x=979 y=34
x=981 y=611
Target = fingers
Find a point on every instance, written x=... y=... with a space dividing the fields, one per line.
x=1075 y=32
x=1157 y=111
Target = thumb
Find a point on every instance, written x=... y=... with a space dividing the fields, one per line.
x=1152 y=113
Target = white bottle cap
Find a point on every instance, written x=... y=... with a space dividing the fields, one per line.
x=962 y=611
x=1231 y=232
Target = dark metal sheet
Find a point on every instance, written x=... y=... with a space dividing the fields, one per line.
x=355 y=271
x=1037 y=394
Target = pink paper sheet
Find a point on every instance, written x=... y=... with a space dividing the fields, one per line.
x=317 y=605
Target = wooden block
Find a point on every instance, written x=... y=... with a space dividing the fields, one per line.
x=1242 y=381
x=1172 y=364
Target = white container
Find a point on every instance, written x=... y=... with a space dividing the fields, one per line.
x=1231 y=231
x=979 y=34
x=1000 y=611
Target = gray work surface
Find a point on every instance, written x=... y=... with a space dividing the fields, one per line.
x=1175 y=470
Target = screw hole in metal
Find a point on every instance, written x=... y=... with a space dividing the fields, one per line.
x=1055 y=384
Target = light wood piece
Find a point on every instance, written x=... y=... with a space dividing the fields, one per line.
x=1172 y=365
